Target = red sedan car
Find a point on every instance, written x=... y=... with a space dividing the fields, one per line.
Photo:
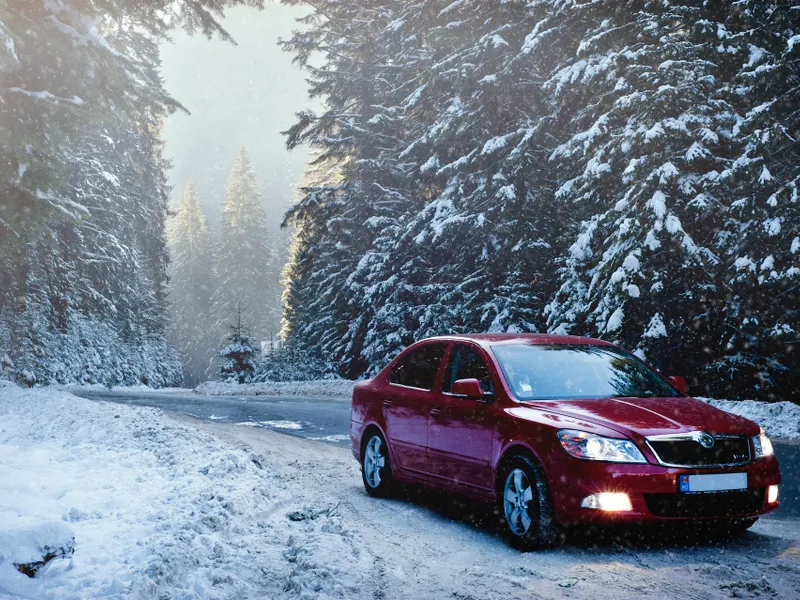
x=558 y=430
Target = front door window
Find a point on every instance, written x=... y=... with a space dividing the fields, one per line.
x=466 y=363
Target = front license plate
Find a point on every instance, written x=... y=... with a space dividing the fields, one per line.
x=721 y=482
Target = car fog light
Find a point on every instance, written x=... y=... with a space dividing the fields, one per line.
x=772 y=494
x=608 y=501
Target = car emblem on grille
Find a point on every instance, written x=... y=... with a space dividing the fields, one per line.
x=705 y=440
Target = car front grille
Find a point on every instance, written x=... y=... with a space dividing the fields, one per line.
x=706 y=504
x=726 y=451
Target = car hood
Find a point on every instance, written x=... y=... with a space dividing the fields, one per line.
x=650 y=416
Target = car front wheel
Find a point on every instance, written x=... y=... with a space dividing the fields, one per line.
x=525 y=504
x=376 y=469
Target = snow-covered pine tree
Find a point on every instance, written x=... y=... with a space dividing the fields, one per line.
x=93 y=312
x=239 y=356
x=459 y=240
x=760 y=242
x=473 y=250
x=649 y=137
x=373 y=53
x=309 y=315
x=52 y=56
x=619 y=137
x=191 y=287
x=83 y=192
x=243 y=255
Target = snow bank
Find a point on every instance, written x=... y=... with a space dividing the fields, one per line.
x=323 y=388
x=779 y=419
x=157 y=509
x=139 y=389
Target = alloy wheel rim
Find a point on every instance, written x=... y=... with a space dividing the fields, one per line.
x=517 y=498
x=374 y=462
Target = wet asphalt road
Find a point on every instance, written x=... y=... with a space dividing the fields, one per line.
x=317 y=419
x=328 y=421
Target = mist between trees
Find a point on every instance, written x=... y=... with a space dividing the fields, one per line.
x=627 y=170
x=230 y=279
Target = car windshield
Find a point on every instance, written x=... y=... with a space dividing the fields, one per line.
x=573 y=371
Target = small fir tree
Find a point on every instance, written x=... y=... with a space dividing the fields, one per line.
x=239 y=356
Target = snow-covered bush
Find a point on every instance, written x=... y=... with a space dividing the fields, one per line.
x=90 y=352
x=292 y=364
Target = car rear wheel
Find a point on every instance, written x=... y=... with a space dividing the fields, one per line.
x=525 y=504
x=376 y=469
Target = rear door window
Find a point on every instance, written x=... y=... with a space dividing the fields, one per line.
x=418 y=369
x=466 y=362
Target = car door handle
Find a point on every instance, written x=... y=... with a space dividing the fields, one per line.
x=387 y=402
x=435 y=412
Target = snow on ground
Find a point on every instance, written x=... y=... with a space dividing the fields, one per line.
x=779 y=419
x=174 y=507
x=156 y=509
x=323 y=388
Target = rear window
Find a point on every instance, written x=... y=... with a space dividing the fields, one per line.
x=418 y=369
x=564 y=371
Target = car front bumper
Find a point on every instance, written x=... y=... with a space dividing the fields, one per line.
x=653 y=492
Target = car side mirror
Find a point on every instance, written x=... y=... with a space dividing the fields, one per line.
x=468 y=388
x=679 y=383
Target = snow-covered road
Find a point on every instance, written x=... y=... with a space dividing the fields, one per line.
x=168 y=506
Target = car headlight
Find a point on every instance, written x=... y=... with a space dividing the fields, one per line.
x=762 y=445
x=589 y=446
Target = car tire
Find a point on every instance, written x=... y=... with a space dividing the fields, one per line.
x=525 y=504
x=376 y=467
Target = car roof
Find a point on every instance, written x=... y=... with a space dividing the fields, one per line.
x=494 y=339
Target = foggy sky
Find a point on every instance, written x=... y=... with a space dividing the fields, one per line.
x=237 y=95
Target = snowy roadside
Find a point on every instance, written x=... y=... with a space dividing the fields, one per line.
x=155 y=508
x=779 y=419
x=138 y=389
x=173 y=507
x=338 y=389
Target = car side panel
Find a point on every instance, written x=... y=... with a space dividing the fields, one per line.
x=405 y=414
x=362 y=414
x=460 y=441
